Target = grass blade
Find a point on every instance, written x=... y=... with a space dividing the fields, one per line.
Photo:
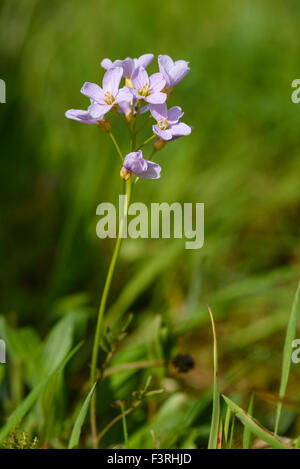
x=33 y=396
x=125 y=431
x=214 y=429
x=253 y=426
x=287 y=353
x=247 y=433
x=75 y=435
x=226 y=424
x=232 y=432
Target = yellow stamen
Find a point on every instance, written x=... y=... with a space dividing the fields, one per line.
x=163 y=124
x=109 y=99
x=144 y=91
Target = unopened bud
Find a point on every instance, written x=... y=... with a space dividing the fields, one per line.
x=159 y=144
x=125 y=174
x=104 y=125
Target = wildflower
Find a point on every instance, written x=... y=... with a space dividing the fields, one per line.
x=168 y=125
x=135 y=163
x=103 y=99
x=173 y=72
x=183 y=362
x=128 y=64
x=148 y=89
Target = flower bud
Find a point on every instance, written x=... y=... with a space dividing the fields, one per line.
x=104 y=125
x=159 y=144
x=125 y=174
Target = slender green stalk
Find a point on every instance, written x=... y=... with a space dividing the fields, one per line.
x=287 y=353
x=247 y=432
x=215 y=420
x=101 y=312
x=125 y=431
x=116 y=145
x=147 y=141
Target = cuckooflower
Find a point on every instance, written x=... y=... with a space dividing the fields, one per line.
x=168 y=125
x=135 y=163
x=103 y=99
x=128 y=64
x=173 y=72
x=148 y=88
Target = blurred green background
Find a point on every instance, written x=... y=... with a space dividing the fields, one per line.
x=241 y=160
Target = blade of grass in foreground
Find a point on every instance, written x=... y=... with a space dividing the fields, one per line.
x=247 y=433
x=253 y=426
x=226 y=424
x=287 y=353
x=124 y=426
x=214 y=429
x=75 y=435
x=33 y=396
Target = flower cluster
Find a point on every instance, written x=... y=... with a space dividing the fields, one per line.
x=141 y=93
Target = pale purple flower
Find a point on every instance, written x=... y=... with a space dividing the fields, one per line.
x=103 y=99
x=135 y=163
x=148 y=88
x=128 y=65
x=173 y=72
x=168 y=125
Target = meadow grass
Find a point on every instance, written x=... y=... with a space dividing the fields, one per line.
x=242 y=161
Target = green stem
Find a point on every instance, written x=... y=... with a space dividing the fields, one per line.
x=116 y=145
x=125 y=431
x=101 y=312
x=147 y=141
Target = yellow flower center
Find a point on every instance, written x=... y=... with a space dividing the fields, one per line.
x=163 y=124
x=144 y=91
x=128 y=82
x=109 y=99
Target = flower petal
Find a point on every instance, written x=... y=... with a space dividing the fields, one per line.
x=152 y=172
x=96 y=110
x=106 y=63
x=156 y=98
x=139 y=78
x=174 y=114
x=111 y=80
x=128 y=67
x=81 y=116
x=165 y=63
x=124 y=94
x=144 y=60
x=179 y=71
x=93 y=91
x=180 y=130
x=163 y=134
x=135 y=163
x=157 y=82
x=159 y=111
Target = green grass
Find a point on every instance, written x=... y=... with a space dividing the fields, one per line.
x=241 y=160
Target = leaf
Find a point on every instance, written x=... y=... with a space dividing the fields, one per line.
x=254 y=426
x=247 y=433
x=214 y=429
x=33 y=396
x=74 y=438
x=287 y=352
